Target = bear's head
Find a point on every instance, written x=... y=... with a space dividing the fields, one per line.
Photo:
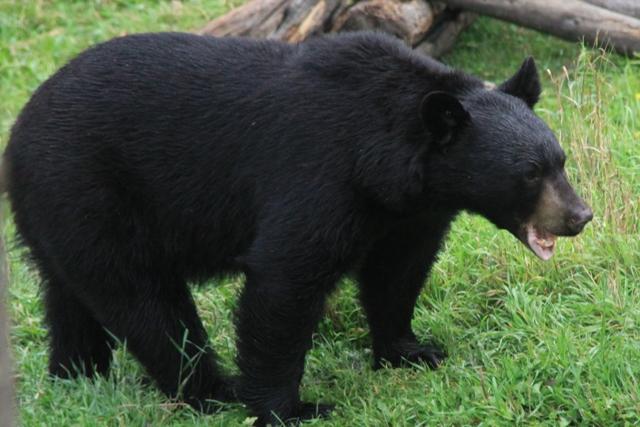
x=490 y=154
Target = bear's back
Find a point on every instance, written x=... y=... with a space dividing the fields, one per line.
x=189 y=141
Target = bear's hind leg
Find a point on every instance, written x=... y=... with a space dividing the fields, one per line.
x=163 y=331
x=79 y=345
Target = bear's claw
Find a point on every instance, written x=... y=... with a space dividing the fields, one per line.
x=406 y=352
x=305 y=411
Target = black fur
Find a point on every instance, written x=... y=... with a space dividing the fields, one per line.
x=152 y=161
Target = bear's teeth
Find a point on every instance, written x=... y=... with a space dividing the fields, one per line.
x=541 y=242
x=545 y=243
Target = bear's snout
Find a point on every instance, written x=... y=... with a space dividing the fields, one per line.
x=578 y=218
x=558 y=212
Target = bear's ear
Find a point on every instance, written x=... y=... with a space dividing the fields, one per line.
x=442 y=114
x=525 y=83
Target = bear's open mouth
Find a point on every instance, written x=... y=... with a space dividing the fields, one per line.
x=541 y=242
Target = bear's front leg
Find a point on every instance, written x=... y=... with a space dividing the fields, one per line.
x=275 y=321
x=390 y=279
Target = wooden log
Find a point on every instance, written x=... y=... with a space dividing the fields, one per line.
x=443 y=34
x=287 y=20
x=624 y=7
x=569 y=19
x=267 y=18
x=408 y=20
x=251 y=18
x=295 y=20
x=304 y=18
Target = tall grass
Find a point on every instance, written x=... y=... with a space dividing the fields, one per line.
x=597 y=125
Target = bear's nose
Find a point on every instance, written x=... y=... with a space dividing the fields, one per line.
x=579 y=218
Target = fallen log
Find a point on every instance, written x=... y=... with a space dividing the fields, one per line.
x=624 y=7
x=430 y=26
x=568 y=19
x=288 y=20
x=407 y=20
x=442 y=36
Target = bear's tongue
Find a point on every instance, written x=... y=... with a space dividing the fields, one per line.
x=541 y=242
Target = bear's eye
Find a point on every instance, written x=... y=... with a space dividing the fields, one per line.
x=533 y=176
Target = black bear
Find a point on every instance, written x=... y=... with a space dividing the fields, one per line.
x=157 y=160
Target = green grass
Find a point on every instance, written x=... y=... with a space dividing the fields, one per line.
x=534 y=343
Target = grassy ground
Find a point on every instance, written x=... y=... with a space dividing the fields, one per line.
x=530 y=343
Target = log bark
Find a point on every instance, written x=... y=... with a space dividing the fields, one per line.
x=6 y=381
x=253 y=17
x=443 y=34
x=624 y=7
x=568 y=19
x=409 y=20
x=428 y=24
x=287 y=20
